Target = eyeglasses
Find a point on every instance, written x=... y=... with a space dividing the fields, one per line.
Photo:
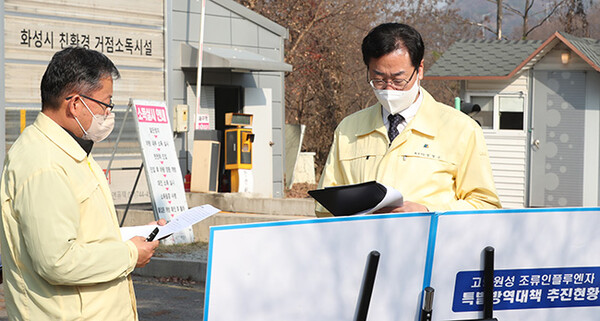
x=397 y=83
x=108 y=106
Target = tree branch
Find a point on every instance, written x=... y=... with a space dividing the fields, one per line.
x=507 y=7
x=545 y=18
x=483 y=26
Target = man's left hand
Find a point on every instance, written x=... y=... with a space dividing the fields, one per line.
x=406 y=207
x=160 y=222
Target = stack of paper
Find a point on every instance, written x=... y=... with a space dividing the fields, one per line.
x=181 y=221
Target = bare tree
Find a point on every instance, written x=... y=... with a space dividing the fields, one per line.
x=329 y=80
x=440 y=25
x=593 y=17
x=563 y=21
x=526 y=15
x=575 y=19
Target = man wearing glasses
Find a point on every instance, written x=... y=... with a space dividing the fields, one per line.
x=62 y=251
x=433 y=154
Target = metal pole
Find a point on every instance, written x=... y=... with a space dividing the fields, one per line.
x=366 y=290
x=488 y=283
x=137 y=179
x=199 y=72
x=114 y=151
x=427 y=310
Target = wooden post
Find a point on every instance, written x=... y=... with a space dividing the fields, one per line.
x=499 y=20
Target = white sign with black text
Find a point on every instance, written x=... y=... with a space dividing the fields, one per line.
x=161 y=164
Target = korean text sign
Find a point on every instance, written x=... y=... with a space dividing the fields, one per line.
x=160 y=162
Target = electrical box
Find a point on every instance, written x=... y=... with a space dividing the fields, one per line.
x=181 y=119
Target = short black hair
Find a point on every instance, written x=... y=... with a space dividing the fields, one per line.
x=389 y=37
x=74 y=69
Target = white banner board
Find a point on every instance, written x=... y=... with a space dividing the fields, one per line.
x=161 y=164
x=546 y=267
x=313 y=269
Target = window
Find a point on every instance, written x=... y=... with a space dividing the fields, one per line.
x=500 y=111
x=511 y=112
x=485 y=117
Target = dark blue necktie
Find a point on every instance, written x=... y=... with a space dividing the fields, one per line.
x=395 y=120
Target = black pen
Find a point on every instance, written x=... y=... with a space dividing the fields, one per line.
x=152 y=235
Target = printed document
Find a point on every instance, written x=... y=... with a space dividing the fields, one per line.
x=181 y=221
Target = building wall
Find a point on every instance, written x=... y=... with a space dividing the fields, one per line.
x=507 y=148
x=591 y=180
x=591 y=154
x=551 y=61
x=130 y=33
x=143 y=33
x=224 y=27
x=508 y=157
x=131 y=36
x=2 y=104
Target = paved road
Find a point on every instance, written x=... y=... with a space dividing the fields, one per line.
x=168 y=300
x=158 y=300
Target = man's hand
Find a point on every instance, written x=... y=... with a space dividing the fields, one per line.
x=160 y=222
x=145 y=250
x=407 y=207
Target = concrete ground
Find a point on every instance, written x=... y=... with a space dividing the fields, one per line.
x=167 y=299
x=158 y=299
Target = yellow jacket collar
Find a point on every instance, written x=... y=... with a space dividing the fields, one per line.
x=423 y=122
x=372 y=121
x=59 y=136
x=426 y=119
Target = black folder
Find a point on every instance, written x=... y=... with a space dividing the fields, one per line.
x=347 y=200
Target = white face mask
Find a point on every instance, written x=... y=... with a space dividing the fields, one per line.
x=101 y=127
x=395 y=101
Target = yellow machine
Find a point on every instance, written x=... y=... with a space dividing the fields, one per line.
x=238 y=146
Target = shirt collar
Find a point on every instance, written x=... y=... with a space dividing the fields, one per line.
x=408 y=114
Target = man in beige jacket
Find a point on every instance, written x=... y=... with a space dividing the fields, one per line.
x=62 y=251
x=433 y=154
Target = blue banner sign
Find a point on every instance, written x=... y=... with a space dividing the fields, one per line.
x=529 y=289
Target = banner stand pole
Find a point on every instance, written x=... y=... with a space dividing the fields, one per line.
x=488 y=287
x=137 y=179
x=112 y=157
x=366 y=289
